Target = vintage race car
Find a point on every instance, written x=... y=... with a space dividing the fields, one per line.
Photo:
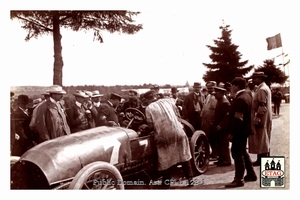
x=99 y=158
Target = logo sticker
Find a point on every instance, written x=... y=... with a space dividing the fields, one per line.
x=272 y=171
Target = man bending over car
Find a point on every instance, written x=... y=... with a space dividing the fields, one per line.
x=171 y=141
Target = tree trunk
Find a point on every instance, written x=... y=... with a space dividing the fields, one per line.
x=58 y=61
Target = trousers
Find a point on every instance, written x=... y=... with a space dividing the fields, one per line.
x=242 y=160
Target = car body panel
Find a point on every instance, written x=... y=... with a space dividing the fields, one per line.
x=61 y=158
x=54 y=163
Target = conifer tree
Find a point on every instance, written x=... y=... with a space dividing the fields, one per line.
x=274 y=74
x=225 y=59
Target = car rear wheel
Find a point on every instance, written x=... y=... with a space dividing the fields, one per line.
x=98 y=176
x=200 y=152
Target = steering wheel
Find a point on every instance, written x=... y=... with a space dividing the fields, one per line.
x=134 y=115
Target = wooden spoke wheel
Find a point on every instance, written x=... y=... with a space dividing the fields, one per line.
x=200 y=152
x=98 y=176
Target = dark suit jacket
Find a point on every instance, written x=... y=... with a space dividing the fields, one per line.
x=188 y=108
x=240 y=115
x=222 y=114
x=22 y=121
x=73 y=119
x=107 y=113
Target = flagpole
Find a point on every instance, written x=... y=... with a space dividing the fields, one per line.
x=283 y=61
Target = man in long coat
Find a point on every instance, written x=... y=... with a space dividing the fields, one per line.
x=50 y=121
x=171 y=141
x=261 y=116
x=207 y=118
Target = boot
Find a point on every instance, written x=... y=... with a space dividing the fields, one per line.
x=166 y=177
x=188 y=172
x=250 y=176
x=236 y=183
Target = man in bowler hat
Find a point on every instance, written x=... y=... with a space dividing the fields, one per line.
x=192 y=106
x=21 y=118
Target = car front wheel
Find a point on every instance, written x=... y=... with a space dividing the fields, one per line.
x=98 y=176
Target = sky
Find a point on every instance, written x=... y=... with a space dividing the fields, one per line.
x=170 y=49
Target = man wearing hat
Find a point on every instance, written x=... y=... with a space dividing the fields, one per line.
x=21 y=117
x=219 y=127
x=261 y=116
x=77 y=115
x=178 y=101
x=107 y=115
x=207 y=117
x=96 y=98
x=239 y=129
x=171 y=141
x=155 y=88
x=192 y=106
x=51 y=120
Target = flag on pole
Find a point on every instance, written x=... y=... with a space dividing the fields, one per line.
x=274 y=42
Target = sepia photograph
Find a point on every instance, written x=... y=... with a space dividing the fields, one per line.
x=149 y=95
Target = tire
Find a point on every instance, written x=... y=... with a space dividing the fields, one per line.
x=200 y=152
x=13 y=160
x=98 y=176
x=188 y=128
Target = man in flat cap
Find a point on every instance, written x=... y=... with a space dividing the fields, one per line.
x=219 y=126
x=107 y=115
x=192 y=106
x=239 y=129
x=51 y=120
x=261 y=116
x=156 y=88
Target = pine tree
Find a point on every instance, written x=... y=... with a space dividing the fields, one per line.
x=44 y=22
x=225 y=58
x=274 y=74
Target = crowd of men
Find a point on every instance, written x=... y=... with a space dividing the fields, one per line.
x=236 y=112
